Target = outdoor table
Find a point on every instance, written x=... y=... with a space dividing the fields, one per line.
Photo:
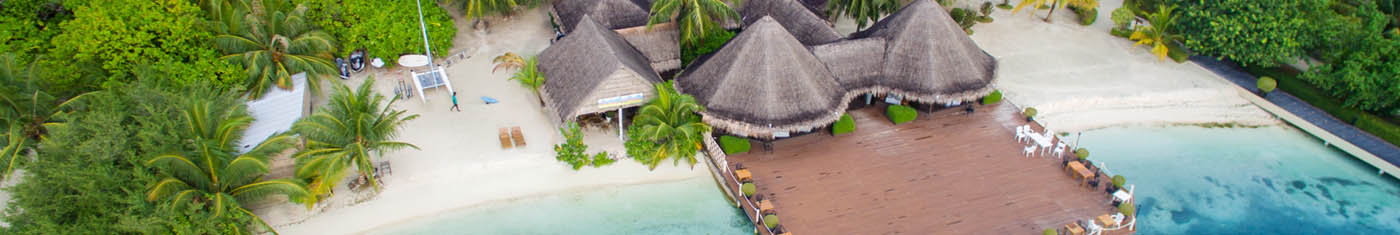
x=1106 y=220
x=743 y=174
x=765 y=205
x=1074 y=228
x=1043 y=140
x=1080 y=170
x=1122 y=196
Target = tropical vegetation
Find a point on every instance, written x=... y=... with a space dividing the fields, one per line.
x=1159 y=33
x=1035 y=5
x=273 y=41
x=696 y=19
x=508 y=61
x=353 y=126
x=711 y=43
x=384 y=29
x=865 y=12
x=572 y=151
x=734 y=144
x=1254 y=32
x=901 y=114
x=844 y=125
x=529 y=76
x=482 y=8
x=215 y=177
x=668 y=126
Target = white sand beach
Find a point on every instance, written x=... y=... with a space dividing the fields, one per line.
x=460 y=163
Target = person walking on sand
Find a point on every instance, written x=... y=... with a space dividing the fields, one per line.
x=454 y=102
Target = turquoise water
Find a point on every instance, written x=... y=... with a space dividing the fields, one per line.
x=693 y=206
x=1274 y=180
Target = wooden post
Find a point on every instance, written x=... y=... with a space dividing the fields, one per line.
x=621 y=130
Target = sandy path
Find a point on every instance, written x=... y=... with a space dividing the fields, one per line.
x=460 y=163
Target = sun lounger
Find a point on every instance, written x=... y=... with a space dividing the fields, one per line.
x=489 y=100
x=519 y=138
x=505 y=138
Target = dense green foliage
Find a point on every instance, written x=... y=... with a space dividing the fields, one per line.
x=843 y=125
x=1122 y=18
x=696 y=19
x=1364 y=68
x=1119 y=180
x=106 y=41
x=992 y=98
x=482 y=8
x=1266 y=84
x=385 y=29
x=865 y=12
x=1054 y=4
x=90 y=179
x=1086 y=16
x=709 y=44
x=344 y=134
x=965 y=17
x=901 y=114
x=1049 y=231
x=26 y=26
x=1255 y=32
x=214 y=177
x=733 y=144
x=272 y=44
x=26 y=111
x=1126 y=208
x=770 y=220
x=572 y=151
x=668 y=126
x=529 y=76
x=1290 y=82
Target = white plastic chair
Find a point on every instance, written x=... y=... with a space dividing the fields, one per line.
x=1059 y=149
x=1029 y=150
x=1021 y=134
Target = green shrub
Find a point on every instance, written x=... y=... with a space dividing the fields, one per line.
x=992 y=98
x=965 y=18
x=1119 y=180
x=748 y=189
x=572 y=150
x=1029 y=112
x=1005 y=6
x=1082 y=153
x=843 y=126
x=733 y=145
x=901 y=114
x=1087 y=17
x=1122 y=18
x=379 y=27
x=1177 y=54
x=983 y=19
x=601 y=159
x=1050 y=231
x=1126 y=208
x=1288 y=81
x=1266 y=84
x=770 y=221
x=1122 y=33
x=708 y=44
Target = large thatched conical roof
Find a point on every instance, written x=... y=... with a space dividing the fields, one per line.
x=809 y=28
x=577 y=67
x=612 y=14
x=764 y=81
x=929 y=58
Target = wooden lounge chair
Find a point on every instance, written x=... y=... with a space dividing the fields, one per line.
x=519 y=138
x=505 y=138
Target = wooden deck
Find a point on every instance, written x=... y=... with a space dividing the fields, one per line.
x=946 y=173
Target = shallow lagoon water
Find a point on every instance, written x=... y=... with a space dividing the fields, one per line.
x=1270 y=180
x=692 y=206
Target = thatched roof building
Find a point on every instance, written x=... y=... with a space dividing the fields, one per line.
x=762 y=82
x=928 y=58
x=660 y=44
x=857 y=63
x=612 y=14
x=594 y=70
x=809 y=28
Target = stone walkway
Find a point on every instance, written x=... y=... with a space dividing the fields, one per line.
x=1370 y=143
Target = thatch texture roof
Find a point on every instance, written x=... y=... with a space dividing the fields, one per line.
x=660 y=44
x=590 y=64
x=928 y=57
x=817 y=7
x=764 y=81
x=809 y=28
x=856 y=63
x=612 y=14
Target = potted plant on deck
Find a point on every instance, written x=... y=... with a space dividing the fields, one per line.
x=1030 y=114
x=1266 y=85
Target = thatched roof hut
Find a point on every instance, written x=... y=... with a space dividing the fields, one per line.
x=857 y=63
x=763 y=82
x=594 y=70
x=809 y=28
x=612 y=14
x=929 y=58
x=660 y=44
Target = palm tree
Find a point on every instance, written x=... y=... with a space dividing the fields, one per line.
x=275 y=44
x=1158 y=33
x=529 y=76
x=863 y=11
x=26 y=110
x=696 y=18
x=1035 y=5
x=342 y=135
x=214 y=176
x=509 y=60
x=668 y=126
x=476 y=9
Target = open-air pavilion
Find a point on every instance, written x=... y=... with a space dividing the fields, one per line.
x=594 y=70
